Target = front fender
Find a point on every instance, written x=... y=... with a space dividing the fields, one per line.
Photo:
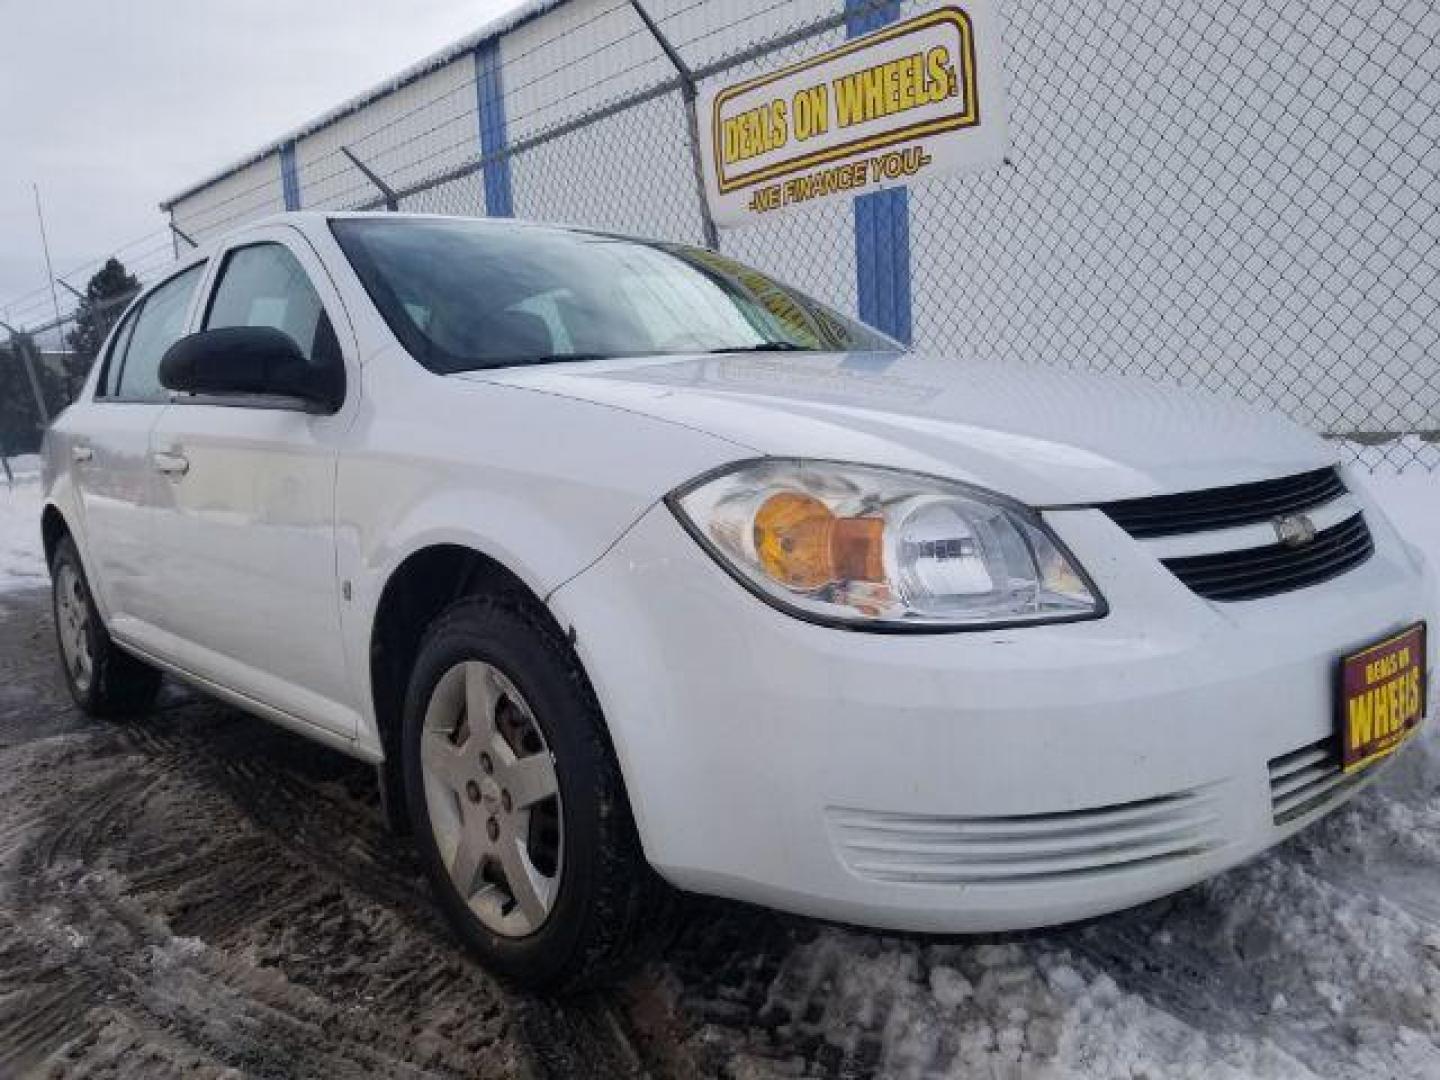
x=540 y=484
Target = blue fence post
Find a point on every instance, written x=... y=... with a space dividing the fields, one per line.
x=490 y=106
x=289 y=176
x=882 y=218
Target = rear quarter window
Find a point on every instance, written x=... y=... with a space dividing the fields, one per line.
x=110 y=370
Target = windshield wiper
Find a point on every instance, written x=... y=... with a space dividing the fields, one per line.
x=491 y=363
x=767 y=346
x=565 y=358
x=546 y=358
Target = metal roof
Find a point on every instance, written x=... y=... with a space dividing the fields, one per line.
x=525 y=12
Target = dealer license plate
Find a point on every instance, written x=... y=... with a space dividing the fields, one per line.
x=1382 y=697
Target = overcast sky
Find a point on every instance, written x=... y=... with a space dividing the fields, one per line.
x=112 y=105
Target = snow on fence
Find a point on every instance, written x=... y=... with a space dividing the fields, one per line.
x=1238 y=196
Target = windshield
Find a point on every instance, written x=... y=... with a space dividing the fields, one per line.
x=465 y=294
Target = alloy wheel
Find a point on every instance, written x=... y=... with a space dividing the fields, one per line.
x=72 y=617
x=493 y=798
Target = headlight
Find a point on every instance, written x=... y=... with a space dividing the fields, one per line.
x=881 y=549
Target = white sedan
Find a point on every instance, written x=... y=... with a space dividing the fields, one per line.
x=633 y=568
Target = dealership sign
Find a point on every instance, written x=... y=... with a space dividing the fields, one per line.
x=913 y=100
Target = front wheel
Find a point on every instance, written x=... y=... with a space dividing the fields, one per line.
x=103 y=680
x=517 y=803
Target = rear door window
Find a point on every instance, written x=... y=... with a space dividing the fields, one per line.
x=159 y=323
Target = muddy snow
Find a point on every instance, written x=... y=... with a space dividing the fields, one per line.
x=200 y=894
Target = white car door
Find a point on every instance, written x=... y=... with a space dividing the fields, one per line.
x=110 y=462
x=246 y=526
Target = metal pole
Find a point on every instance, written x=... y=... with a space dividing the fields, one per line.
x=45 y=246
x=72 y=391
x=182 y=235
x=690 y=93
x=4 y=460
x=27 y=361
x=392 y=201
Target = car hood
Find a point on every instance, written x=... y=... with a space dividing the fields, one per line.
x=1045 y=435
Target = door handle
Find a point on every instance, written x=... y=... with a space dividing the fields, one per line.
x=81 y=454
x=171 y=464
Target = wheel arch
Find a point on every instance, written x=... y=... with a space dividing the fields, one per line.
x=422 y=585
x=53 y=529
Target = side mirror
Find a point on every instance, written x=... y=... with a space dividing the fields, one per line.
x=250 y=360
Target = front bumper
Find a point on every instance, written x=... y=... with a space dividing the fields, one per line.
x=972 y=781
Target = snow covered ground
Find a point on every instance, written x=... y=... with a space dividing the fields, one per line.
x=21 y=563
x=1320 y=959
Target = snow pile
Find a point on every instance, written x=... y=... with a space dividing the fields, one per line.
x=952 y=1008
x=21 y=563
x=1411 y=500
x=1320 y=959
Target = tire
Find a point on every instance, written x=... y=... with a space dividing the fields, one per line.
x=604 y=908
x=103 y=679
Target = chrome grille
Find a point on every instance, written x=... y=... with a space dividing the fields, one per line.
x=1227 y=507
x=1308 y=779
x=1251 y=573
x=1027 y=848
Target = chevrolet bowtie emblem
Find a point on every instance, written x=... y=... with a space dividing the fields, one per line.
x=1294 y=530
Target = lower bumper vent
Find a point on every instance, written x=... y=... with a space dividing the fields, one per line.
x=1308 y=779
x=1028 y=848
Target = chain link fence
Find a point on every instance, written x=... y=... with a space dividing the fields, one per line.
x=49 y=336
x=1240 y=197
x=42 y=369
x=1243 y=197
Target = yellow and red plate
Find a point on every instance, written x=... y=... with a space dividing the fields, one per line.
x=1382 y=697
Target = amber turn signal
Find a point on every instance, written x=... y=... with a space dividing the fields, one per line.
x=804 y=546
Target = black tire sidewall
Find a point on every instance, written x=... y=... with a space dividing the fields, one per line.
x=90 y=699
x=549 y=679
x=121 y=686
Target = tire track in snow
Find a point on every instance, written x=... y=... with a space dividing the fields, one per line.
x=201 y=891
